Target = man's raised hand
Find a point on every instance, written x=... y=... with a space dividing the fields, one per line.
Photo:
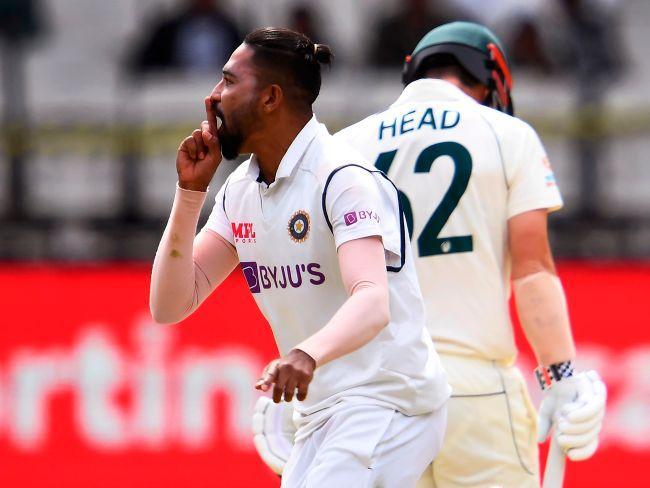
x=199 y=155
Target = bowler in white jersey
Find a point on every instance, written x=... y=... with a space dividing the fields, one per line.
x=322 y=242
x=476 y=189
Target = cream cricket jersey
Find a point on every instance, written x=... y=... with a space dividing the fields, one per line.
x=286 y=235
x=464 y=169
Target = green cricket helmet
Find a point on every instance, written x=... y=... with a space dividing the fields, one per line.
x=476 y=49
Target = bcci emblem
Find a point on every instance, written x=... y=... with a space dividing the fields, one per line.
x=299 y=226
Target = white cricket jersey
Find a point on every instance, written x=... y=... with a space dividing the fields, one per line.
x=286 y=235
x=465 y=169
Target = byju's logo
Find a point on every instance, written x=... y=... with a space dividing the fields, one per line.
x=261 y=277
x=243 y=232
x=350 y=218
x=252 y=276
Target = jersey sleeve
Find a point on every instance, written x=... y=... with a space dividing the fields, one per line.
x=218 y=221
x=359 y=204
x=531 y=182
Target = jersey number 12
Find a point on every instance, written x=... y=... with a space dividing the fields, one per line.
x=429 y=244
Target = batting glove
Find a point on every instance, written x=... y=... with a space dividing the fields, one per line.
x=273 y=431
x=576 y=406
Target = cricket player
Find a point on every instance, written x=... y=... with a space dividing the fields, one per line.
x=476 y=188
x=321 y=239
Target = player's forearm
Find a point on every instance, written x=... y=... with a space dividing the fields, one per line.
x=366 y=311
x=543 y=314
x=363 y=315
x=174 y=278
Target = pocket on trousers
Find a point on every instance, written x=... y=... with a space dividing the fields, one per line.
x=523 y=423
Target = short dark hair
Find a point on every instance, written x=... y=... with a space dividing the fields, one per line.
x=438 y=65
x=291 y=60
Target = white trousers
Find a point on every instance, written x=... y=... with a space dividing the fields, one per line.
x=366 y=446
x=491 y=438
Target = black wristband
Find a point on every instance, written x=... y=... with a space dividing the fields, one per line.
x=547 y=375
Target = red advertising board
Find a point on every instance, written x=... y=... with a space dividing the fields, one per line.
x=93 y=393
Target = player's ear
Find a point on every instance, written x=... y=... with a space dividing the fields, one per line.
x=272 y=97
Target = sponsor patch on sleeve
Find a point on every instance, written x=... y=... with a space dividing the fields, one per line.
x=351 y=218
x=550 y=176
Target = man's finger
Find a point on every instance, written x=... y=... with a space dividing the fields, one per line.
x=190 y=146
x=201 y=148
x=212 y=116
x=303 y=386
x=278 y=389
x=209 y=131
x=212 y=143
x=290 y=389
x=210 y=139
x=272 y=368
x=268 y=376
x=205 y=126
x=264 y=382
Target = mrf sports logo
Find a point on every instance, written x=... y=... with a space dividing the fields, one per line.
x=261 y=277
x=243 y=232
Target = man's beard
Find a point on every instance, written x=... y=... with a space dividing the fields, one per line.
x=232 y=135
x=231 y=142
